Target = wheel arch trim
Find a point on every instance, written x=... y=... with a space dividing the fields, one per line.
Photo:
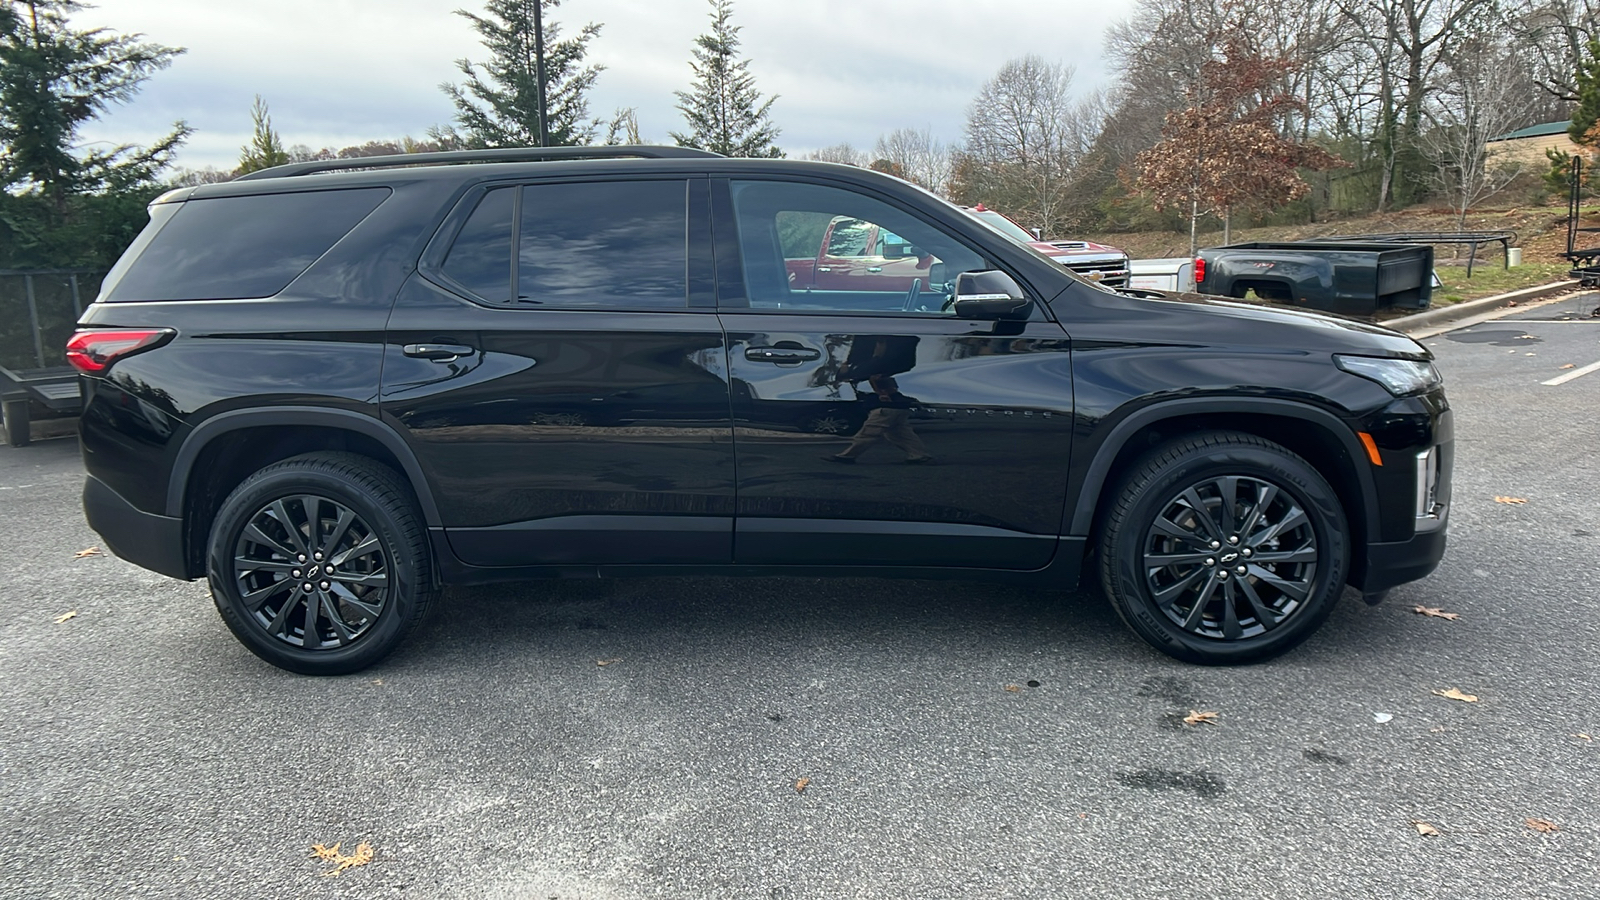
x=341 y=419
x=1094 y=480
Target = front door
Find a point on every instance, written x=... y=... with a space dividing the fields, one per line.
x=872 y=427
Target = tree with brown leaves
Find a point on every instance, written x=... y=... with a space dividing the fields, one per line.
x=1226 y=149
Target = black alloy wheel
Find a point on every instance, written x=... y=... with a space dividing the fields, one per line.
x=311 y=572
x=1224 y=548
x=318 y=563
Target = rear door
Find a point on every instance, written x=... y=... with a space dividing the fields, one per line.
x=947 y=439
x=569 y=401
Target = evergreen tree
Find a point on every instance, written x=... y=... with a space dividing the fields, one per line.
x=724 y=111
x=1587 y=82
x=59 y=207
x=265 y=149
x=498 y=105
x=53 y=80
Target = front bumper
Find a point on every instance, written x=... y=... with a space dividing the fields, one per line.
x=144 y=539
x=1397 y=562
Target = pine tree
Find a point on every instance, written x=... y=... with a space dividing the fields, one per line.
x=53 y=80
x=59 y=206
x=498 y=105
x=265 y=149
x=723 y=109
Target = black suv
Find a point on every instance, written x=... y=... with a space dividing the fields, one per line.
x=333 y=387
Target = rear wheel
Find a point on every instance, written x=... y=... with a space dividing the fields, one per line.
x=319 y=564
x=1224 y=548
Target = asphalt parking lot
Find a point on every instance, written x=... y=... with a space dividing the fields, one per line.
x=958 y=740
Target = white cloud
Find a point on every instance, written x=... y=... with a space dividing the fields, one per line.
x=340 y=72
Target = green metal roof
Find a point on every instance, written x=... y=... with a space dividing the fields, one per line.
x=1547 y=128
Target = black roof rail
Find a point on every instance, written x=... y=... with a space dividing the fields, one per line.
x=504 y=154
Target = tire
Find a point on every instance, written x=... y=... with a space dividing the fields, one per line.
x=14 y=420
x=261 y=561
x=1173 y=575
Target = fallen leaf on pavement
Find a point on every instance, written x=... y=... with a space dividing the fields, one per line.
x=1435 y=612
x=1013 y=688
x=92 y=551
x=1514 y=501
x=1569 y=366
x=65 y=616
x=607 y=662
x=1543 y=826
x=801 y=785
x=1583 y=736
x=1424 y=829
x=1453 y=694
x=1195 y=718
x=361 y=857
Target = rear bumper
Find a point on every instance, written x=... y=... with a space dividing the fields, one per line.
x=144 y=539
x=1395 y=563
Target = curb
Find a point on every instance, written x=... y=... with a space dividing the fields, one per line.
x=1472 y=307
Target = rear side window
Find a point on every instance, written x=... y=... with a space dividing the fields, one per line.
x=583 y=245
x=229 y=248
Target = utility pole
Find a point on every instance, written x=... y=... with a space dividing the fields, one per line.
x=538 y=53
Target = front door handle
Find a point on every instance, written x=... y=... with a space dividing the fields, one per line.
x=441 y=353
x=793 y=354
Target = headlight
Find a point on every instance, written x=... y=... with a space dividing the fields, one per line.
x=1400 y=376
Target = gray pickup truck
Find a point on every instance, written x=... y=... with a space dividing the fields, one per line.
x=1355 y=278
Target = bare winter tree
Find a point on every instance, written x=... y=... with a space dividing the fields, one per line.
x=1024 y=135
x=841 y=153
x=1481 y=95
x=923 y=158
x=1554 y=33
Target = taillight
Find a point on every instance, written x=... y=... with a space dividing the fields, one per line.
x=1199 y=269
x=92 y=350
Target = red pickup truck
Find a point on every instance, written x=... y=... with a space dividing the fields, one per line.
x=856 y=255
x=1095 y=262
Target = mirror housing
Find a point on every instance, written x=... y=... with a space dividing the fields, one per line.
x=990 y=295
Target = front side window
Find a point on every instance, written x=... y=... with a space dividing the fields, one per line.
x=807 y=247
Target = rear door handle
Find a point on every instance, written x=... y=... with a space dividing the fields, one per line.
x=438 y=352
x=781 y=354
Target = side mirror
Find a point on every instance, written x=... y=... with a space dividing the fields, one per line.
x=1038 y=234
x=990 y=295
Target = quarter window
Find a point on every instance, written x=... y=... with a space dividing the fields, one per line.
x=231 y=248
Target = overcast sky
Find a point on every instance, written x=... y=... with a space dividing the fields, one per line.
x=341 y=72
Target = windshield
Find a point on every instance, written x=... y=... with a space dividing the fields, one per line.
x=1002 y=224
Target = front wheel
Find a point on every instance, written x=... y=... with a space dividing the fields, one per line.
x=1224 y=548
x=319 y=564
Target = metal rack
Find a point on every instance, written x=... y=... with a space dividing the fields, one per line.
x=1585 y=262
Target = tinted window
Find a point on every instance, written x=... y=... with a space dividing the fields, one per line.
x=811 y=248
x=480 y=259
x=229 y=248
x=613 y=245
